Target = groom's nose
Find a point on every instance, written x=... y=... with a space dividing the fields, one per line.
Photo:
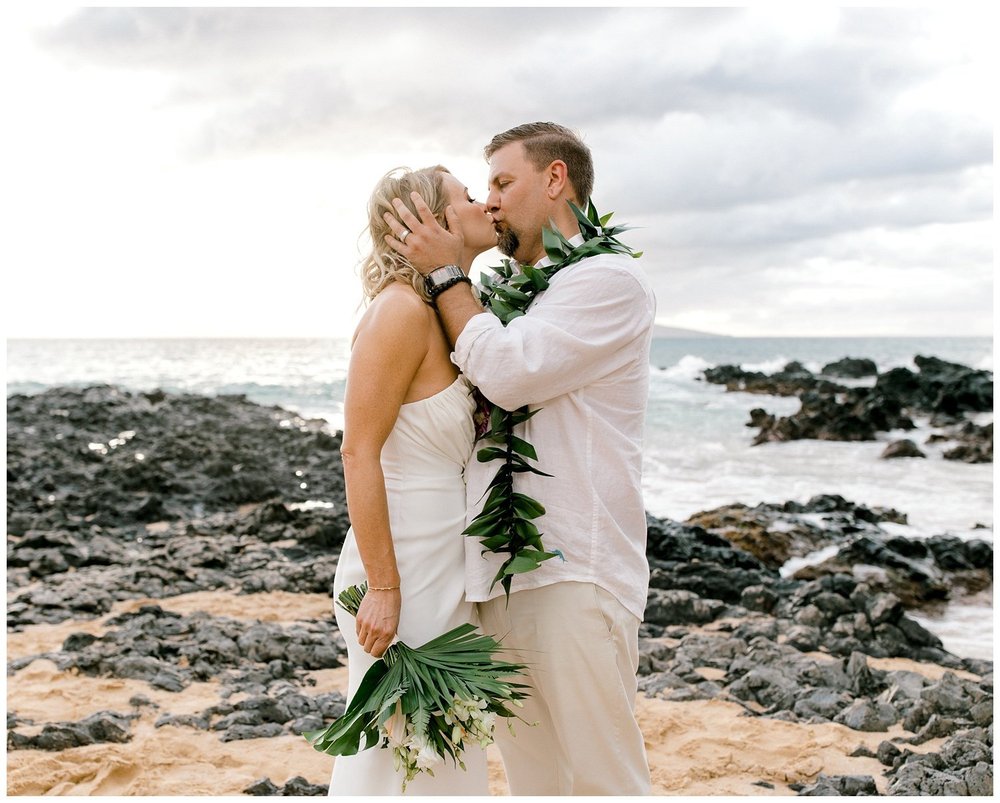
x=493 y=202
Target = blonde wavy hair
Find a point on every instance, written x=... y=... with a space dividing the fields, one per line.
x=383 y=265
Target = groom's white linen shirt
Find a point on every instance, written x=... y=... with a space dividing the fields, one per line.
x=581 y=353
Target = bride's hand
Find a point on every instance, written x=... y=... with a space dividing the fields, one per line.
x=377 y=621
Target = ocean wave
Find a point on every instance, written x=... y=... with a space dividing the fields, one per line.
x=767 y=366
x=689 y=366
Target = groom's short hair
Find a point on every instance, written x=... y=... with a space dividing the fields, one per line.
x=546 y=142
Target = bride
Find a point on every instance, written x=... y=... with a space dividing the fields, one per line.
x=408 y=433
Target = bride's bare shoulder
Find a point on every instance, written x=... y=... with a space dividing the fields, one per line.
x=397 y=310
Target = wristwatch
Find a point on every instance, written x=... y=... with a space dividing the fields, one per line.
x=440 y=279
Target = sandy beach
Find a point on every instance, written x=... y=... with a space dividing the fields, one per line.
x=700 y=747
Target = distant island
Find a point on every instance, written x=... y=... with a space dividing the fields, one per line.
x=675 y=331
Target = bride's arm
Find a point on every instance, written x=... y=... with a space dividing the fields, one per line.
x=390 y=344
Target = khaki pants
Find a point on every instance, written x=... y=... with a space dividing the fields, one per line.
x=581 y=648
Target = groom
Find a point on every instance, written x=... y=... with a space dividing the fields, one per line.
x=581 y=354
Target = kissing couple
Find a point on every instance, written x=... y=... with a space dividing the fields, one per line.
x=425 y=356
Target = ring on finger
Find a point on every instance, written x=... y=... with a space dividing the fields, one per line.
x=404 y=235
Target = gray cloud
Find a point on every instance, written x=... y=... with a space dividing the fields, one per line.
x=747 y=152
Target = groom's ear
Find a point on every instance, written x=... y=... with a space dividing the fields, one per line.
x=557 y=174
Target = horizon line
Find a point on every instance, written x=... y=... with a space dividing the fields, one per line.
x=695 y=335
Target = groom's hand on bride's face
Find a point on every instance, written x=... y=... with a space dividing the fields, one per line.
x=425 y=243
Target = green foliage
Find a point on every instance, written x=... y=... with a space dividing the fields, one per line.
x=425 y=686
x=504 y=525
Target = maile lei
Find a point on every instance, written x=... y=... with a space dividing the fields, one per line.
x=504 y=525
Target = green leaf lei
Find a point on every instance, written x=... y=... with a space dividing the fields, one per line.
x=504 y=525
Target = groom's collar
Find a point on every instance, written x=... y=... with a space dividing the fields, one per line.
x=544 y=262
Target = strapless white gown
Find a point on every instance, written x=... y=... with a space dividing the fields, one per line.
x=423 y=461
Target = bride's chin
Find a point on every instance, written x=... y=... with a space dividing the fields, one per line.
x=487 y=242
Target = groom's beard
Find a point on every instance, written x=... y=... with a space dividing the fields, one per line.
x=507 y=241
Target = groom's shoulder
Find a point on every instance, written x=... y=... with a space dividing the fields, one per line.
x=611 y=267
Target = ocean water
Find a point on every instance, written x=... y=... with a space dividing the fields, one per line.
x=697 y=452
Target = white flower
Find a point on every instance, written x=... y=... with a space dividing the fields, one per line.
x=426 y=756
x=487 y=721
x=395 y=727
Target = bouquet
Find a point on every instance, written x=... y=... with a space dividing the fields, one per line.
x=426 y=703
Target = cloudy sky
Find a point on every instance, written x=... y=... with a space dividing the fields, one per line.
x=204 y=172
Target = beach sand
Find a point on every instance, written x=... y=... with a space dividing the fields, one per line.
x=704 y=747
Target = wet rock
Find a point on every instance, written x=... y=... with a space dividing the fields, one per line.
x=769 y=687
x=653 y=656
x=183 y=721
x=915 y=572
x=904 y=685
x=955 y=388
x=863 y=680
x=982 y=712
x=856 y=414
x=940 y=387
x=676 y=606
x=103 y=726
x=851 y=368
x=300 y=786
x=758 y=598
x=774 y=533
x=262 y=787
x=692 y=559
x=979 y=779
x=837 y=785
x=865 y=715
x=878 y=607
x=213 y=556
x=77 y=641
x=822 y=703
x=792 y=380
x=952 y=695
x=240 y=732
x=975 y=444
x=902 y=448
x=935 y=727
x=888 y=753
x=295 y=787
x=804 y=638
x=311 y=722
x=120 y=459
x=169 y=650
x=919 y=779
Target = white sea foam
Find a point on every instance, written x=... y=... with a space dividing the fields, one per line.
x=767 y=366
x=311 y=504
x=965 y=626
x=794 y=564
x=689 y=367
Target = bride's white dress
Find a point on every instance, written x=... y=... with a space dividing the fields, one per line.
x=423 y=461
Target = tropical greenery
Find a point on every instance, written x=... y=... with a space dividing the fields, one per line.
x=504 y=525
